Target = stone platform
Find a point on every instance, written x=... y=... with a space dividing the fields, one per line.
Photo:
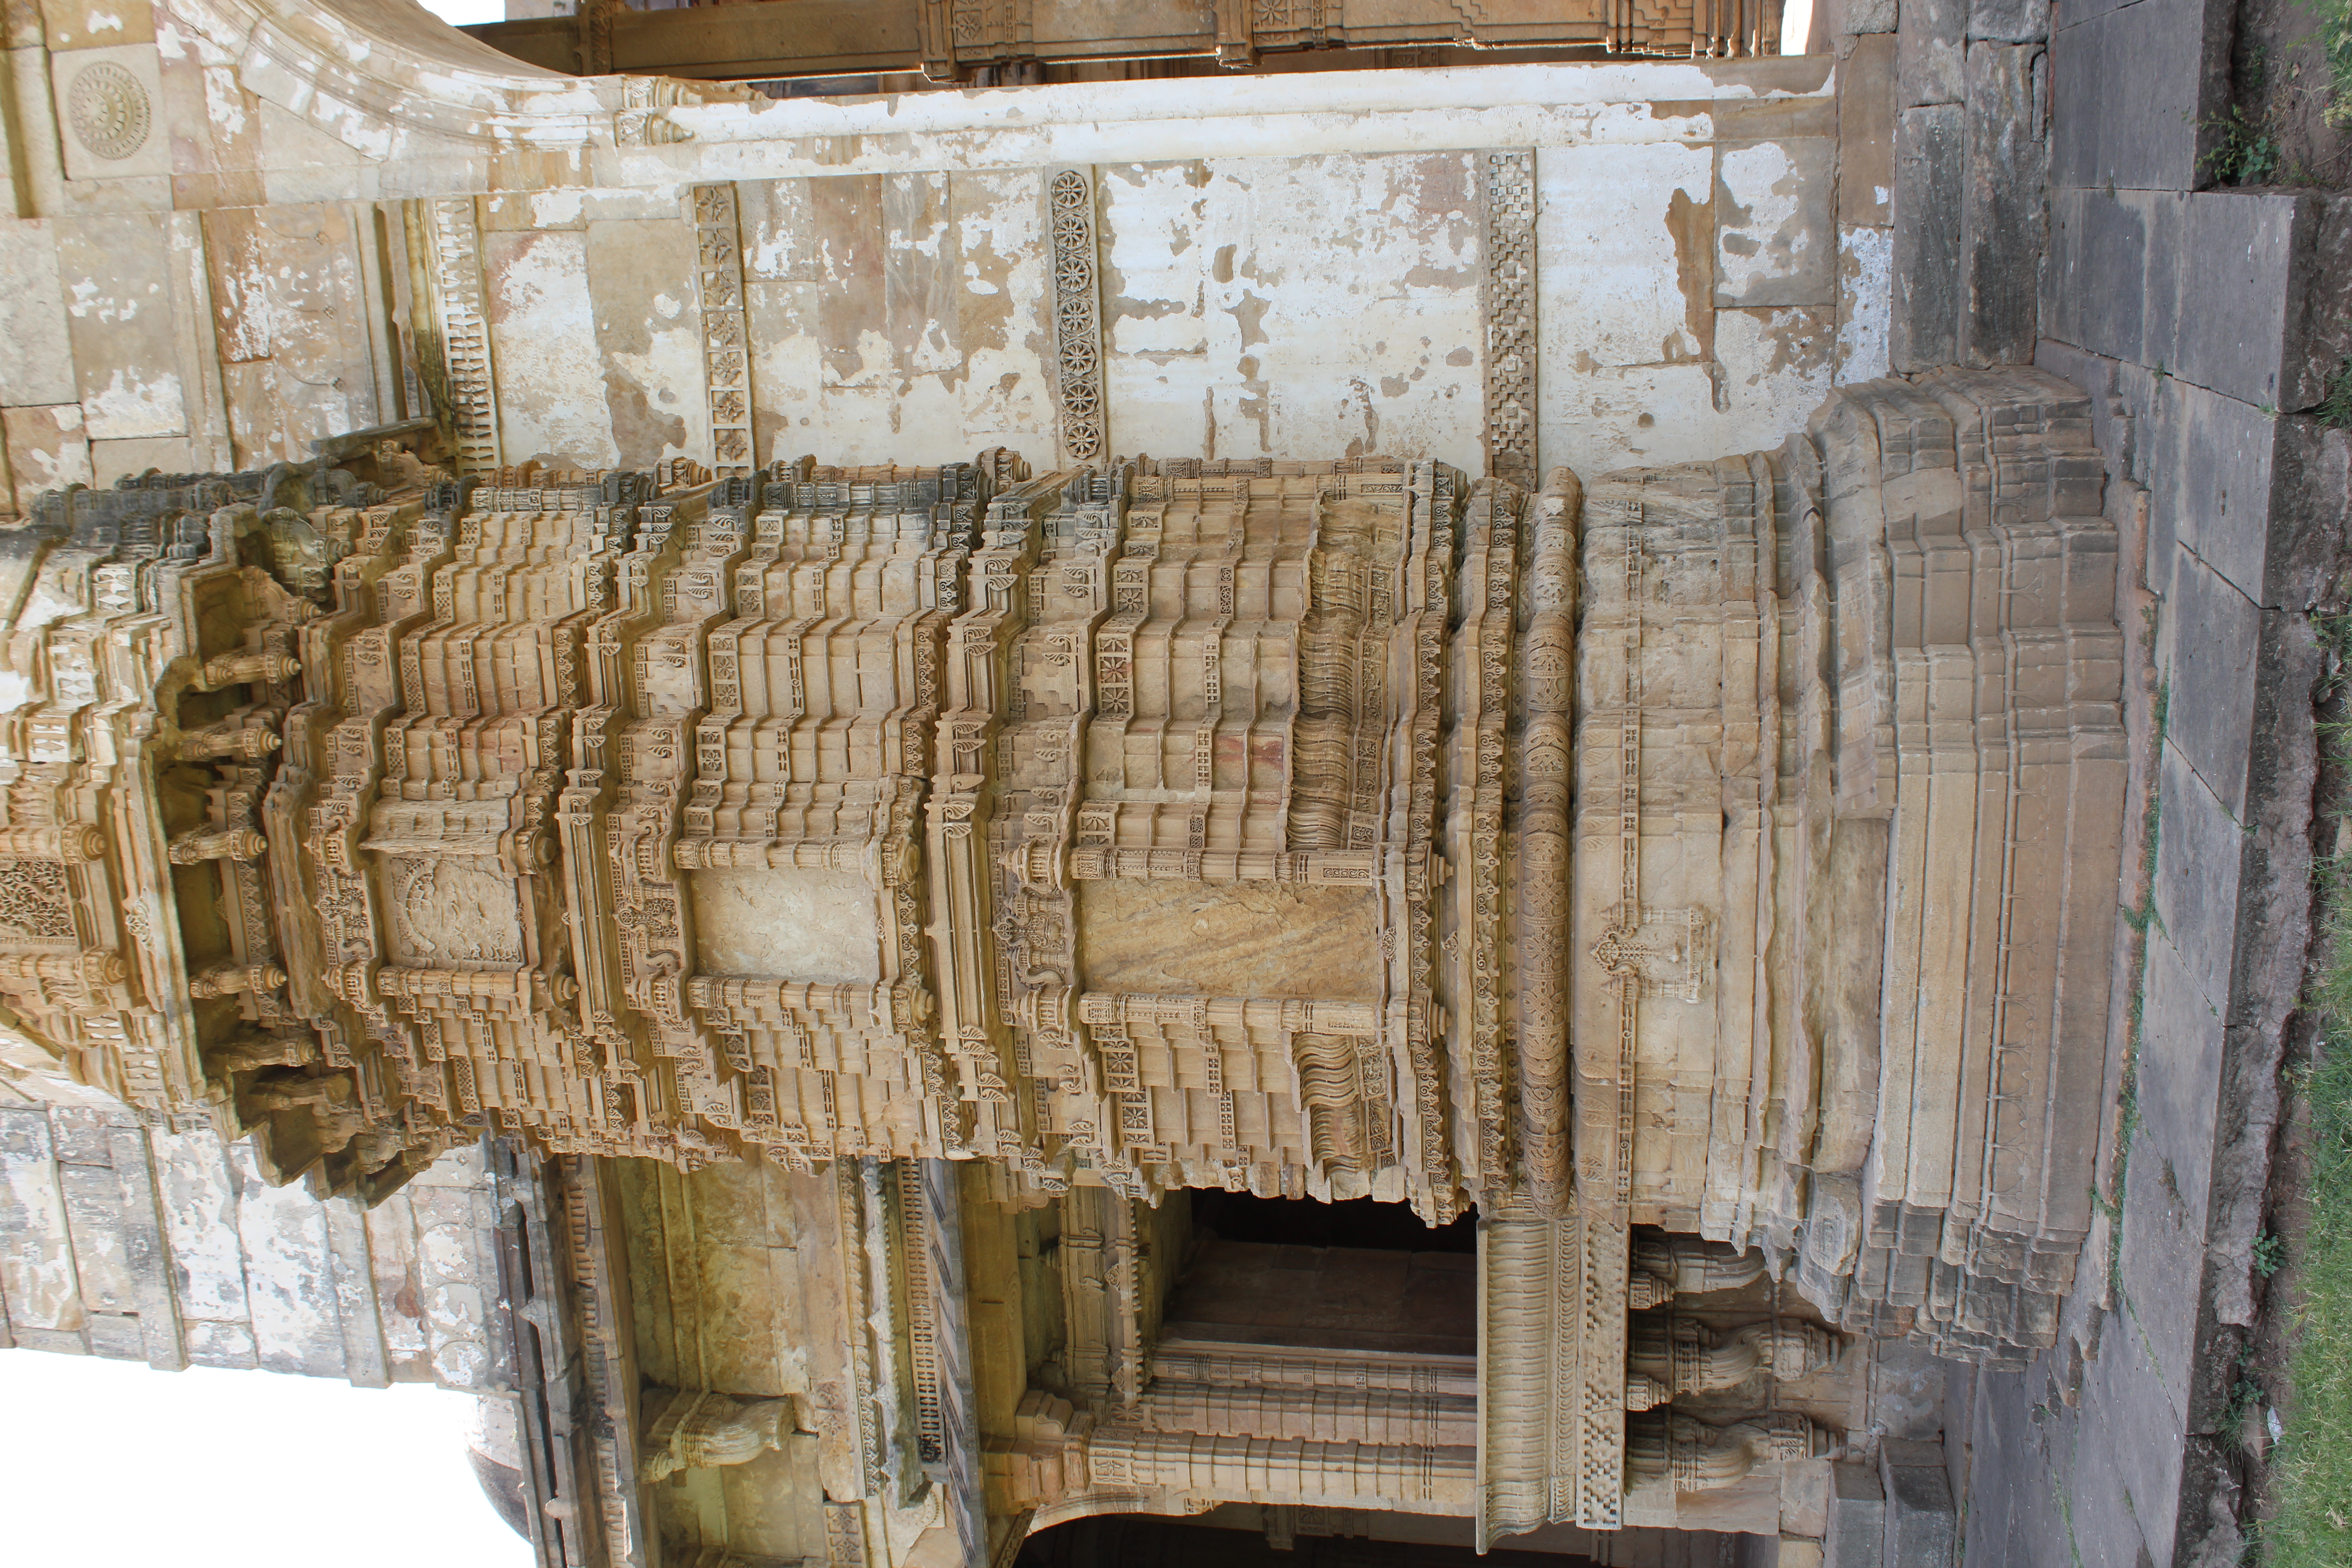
x=2203 y=325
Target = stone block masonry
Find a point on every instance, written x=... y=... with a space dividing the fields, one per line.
x=1969 y=87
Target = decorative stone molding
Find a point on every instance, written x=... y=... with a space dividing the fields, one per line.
x=108 y=109
x=1081 y=416
x=726 y=331
x=1507 y=297
x=395 y=87
x=1552 y=1372
x=463 y=334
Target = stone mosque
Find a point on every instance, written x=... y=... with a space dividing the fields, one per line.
x=1007 y=780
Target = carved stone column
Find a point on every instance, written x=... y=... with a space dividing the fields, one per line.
x=1682 y=1356
x=1700 y=1456
x=699 y=1431
x=1666 y=1265
x=1408 y=1478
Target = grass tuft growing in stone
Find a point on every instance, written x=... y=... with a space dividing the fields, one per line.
x=2334 y=410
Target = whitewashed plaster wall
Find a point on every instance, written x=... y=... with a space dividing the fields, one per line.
x=169 y=1247
x=1290 y=264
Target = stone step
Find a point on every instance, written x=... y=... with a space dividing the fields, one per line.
x=1895 y=1513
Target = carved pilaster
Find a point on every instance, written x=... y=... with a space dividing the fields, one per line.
x=936 y=21
x=1551 y=1302
x=72 y=843
x=1236 y=48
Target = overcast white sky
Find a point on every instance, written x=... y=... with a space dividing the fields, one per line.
x=466 y=13
x=112 y=1465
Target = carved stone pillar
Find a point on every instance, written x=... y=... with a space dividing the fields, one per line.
x=229 y=979
x=229 y=843
x=235 y=669
x=1666 y=1265
x=231 y=742
x=1682 y=1356
x=1408 y=1478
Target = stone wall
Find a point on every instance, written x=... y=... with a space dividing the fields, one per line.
x=1297 y=264
x=133 y=1243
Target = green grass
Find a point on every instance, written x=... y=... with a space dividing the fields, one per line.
x=2311 y=1469
x=2335 y=49
x=2246 y=152
x=2334 y=410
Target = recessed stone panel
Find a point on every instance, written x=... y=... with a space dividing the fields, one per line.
x=788 y=924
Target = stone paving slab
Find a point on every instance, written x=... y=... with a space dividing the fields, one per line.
x=2209 y=638
x=2245 y=293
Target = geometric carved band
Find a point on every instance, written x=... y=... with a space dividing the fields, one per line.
x=1507 y=296
x=465 y=334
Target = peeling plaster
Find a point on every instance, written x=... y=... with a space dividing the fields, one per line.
x=1865 y=291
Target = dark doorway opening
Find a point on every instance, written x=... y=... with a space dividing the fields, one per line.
x=1359 y=1222
x=1152 y=1541
x=1360 y=1276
